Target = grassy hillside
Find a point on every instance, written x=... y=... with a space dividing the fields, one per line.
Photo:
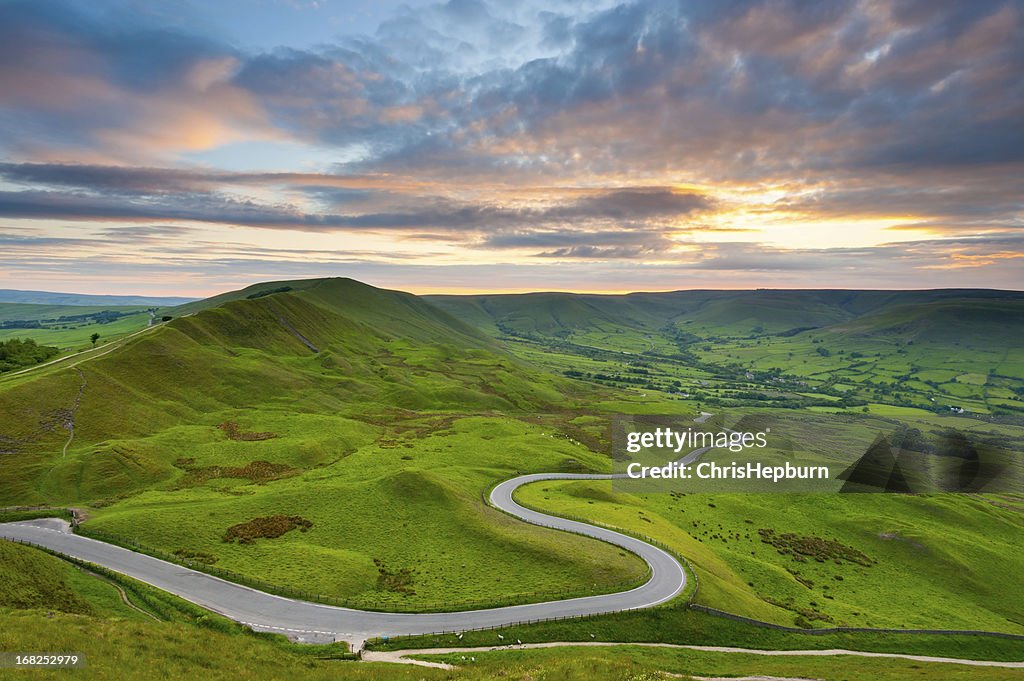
x=290 y=431
x=719 y=314
x=363 y=412
x=916 y=560
x=31 y=579
x=151 y=650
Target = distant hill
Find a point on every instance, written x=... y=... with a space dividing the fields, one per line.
x=721 y=313
x=994 y=321
x=52 y=298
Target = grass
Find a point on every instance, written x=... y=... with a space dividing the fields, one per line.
x=322 y=420
x=149 y=650
x=394 y=427
x=457 y=549
x=942 y=561
x=926 y=349
x=31 y=579
x=626 y=663
x=681 y=625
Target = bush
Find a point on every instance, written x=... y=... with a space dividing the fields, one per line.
x=16 y=353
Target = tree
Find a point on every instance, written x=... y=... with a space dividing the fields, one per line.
x=94 y=337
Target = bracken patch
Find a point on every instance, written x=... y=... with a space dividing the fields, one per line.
x=266 y=527
x=235 y=432
x=802 y=547
x=189 y=555
x=254 y=471
x=398 y=581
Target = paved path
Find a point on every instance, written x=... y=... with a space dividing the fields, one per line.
x=313 y=622
x=403 y=655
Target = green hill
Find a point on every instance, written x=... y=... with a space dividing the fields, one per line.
x=701 y=313
x=328 y=345
x=956 y=321
x=362 y=411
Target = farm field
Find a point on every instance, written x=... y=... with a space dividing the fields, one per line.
x=938 y=351
x=69 y=327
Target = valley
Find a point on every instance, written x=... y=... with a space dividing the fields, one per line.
x=331 y=441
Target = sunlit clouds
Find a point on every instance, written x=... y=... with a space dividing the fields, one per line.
x=469 y=146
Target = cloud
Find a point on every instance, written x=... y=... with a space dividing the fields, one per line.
x=79 y=87
x=712 y=89
x=552 y=132
x=152 y=194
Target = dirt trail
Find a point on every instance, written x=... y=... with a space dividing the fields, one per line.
x=70 y=422
x=401 y=656
x=124 y=596
x=286 y=324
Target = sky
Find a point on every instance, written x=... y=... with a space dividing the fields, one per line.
x=186 y=148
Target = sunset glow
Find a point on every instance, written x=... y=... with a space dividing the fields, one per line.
x=469 y=146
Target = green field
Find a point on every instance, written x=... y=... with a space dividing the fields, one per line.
x=69 y=327
x=935 y=350
x=143 y=650
x=33 y=580
x=926 y=559
x=386 y=482
x=49 y=605
x=288 y=434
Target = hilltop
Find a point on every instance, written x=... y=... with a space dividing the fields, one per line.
x=319 y=346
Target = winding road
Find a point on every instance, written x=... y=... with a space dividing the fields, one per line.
x=317 y=623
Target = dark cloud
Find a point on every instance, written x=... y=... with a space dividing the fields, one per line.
x=573 y=238
x=600 y=252
x=800 y=85
x=111 y=178
x=432 y=213
x=138 y=233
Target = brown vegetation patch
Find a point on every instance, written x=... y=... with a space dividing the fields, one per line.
x=805 y=617
x=234 y=432
x=266 y=527
x=808 y=546
x=399 y=581
x=191 y=556
x=254 y=471
x=9 y=445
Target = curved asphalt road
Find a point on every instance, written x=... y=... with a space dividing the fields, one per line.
x=313 y=622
